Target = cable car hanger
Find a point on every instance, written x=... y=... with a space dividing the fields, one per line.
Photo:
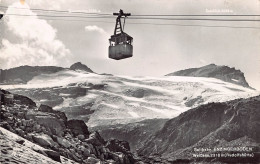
x=118 y=21
x=120 y=43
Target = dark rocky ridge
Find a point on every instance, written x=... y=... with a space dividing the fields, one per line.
x=23 y=74
x=229 y=124
x=134 y=133
x=80 y=66
x=224 y=73
x=61 y=137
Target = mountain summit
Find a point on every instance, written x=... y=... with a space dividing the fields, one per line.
x=224 y=73
x=80 y=66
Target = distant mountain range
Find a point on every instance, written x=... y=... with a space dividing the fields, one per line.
x=109 y=100
x=224 y=73
x=165 y=116
x=23 y=74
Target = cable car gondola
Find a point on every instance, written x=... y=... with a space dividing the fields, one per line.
x=120 y=43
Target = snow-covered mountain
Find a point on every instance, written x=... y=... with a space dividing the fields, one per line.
x=108 y=100
x=224 y=73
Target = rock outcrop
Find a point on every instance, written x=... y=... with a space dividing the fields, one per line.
x=53 y=155
x=134 y=133
x=118 y=146
x=95 y=139
x=78 y=127
x=61 y=137
x=43 y=140
x=80 y=66
x=48 y=120
x=15 y=149
x=25 y=101
x=57 y=114
x=224 y=73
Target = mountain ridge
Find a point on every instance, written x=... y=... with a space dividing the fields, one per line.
x=120 y=106
x=233 y=123
x=23 y=74
x=224 y=73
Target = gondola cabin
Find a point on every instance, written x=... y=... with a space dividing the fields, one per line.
x=120 y=44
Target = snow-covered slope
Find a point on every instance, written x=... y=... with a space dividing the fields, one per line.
x=224 y=73
x=111 y=99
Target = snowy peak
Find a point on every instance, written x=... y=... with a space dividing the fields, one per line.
x=80 y=66
x=224 y=73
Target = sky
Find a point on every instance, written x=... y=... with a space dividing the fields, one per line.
x=158 y=49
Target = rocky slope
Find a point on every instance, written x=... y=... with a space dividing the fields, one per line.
x=15 y=149
x=59 y=138
x=224 y=73
x=214 y=125
x=134 y=133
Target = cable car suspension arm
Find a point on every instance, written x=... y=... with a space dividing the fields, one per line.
x=118 y=27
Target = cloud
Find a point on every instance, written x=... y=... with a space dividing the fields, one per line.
x=50 y=4
x=85 y=11
x=202 y=61
x=36 y=41
x=95 y=28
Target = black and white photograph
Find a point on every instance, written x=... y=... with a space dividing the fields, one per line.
x=129 y=81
